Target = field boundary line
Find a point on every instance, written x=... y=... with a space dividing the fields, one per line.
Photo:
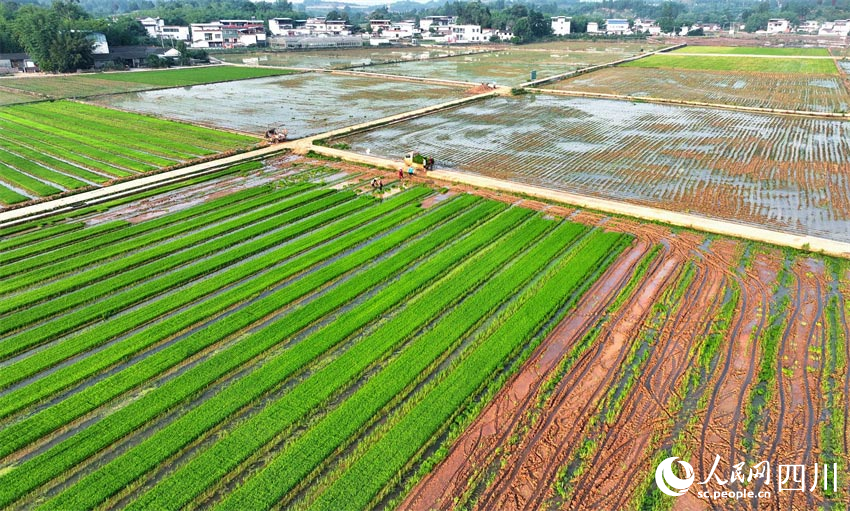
x=683 y=102
x=688 y=220
x=577 y=72
x=402 y=78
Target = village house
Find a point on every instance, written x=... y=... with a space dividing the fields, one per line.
x=561 y=25
x=617 y=27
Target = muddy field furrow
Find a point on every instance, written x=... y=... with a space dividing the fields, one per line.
x=573 y=401
x=606 y=485
x=477 y=447
x=791 y=437
x=720 y=421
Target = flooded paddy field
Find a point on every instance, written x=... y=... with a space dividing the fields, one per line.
x=510 y=67
x=305 y=104
x=341 y=58
x=780 y=172
x=814 y=93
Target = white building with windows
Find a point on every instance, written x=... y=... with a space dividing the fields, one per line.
x=156 y=27
x=809 y=27
x=561 y=25
x=466 y=34
x=617 y=27
x=207 y=35
x=778 y=26
x=438 y=23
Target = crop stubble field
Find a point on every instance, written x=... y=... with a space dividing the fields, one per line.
x=779 y=172
x=51 y=147
x=170 y=351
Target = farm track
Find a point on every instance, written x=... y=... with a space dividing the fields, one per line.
x=572 y=401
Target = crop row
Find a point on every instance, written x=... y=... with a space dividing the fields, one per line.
x=688 y=400
x=251 y=436
x=93 y=160
x=38 y=267
x=10 y=240
x=365 y=477
x=150 y=289
x=170 y=439
x=738 y=64
x=125 y=420
x=576 y=467
x=44 y=251
x=34 y=305
x=162 y=150
x=126 y=157
x=78 y=139
x=516 y=266
x=62 y=218
x=107 y=83
x=195 y=136
x=305 y=256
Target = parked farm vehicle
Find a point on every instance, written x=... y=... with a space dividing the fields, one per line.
x=418 y=161
x=276 y=135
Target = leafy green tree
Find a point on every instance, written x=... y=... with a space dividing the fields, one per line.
x=51 y=39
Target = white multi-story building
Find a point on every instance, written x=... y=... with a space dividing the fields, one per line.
x=207 y=35
x=401 y=30
x=561 y=25
x=153 y=26
x=837 y=27
x=466 y=34
x=809 y=27
x=438 y=23
x=156 y=27
x=778 y=26
x=617 y=26
x=282 y=26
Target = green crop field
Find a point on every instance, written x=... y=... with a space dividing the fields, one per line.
x=744 y=50
x=94 y=84
x=737 y=64
x=51 y=147
x=226 y=354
